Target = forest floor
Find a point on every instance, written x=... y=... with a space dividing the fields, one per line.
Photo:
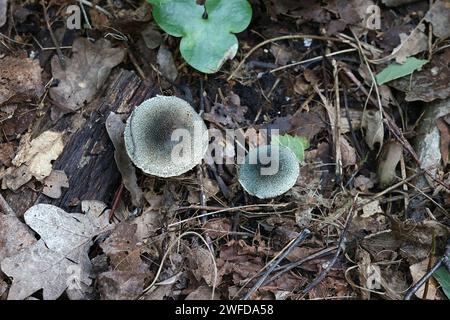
x=373 y=191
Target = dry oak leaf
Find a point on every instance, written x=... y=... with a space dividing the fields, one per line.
x=85 y=72
x=19 y=77
x=60 y=254
x=14 y=236
x=33 y=159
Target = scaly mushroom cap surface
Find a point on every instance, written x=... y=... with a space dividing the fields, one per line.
x=261 y=177
x=150 y=142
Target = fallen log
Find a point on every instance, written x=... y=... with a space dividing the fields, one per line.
x=88 y=157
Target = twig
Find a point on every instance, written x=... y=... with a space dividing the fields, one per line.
x=89 y=4
x=425 y=278
x=4 y=205
x=337 y=125
x=288 y=37
x=302 y=236
x=341 y=245
x=313 y=59
x=295 y=264
x=166 y=254
x=233 y=209
x=52 y=35
x=115 y=203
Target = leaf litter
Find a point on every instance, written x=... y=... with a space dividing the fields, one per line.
x=384 y=250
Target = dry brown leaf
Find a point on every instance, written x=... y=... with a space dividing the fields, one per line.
x=412 y=44
x=3 y=10
x=418 y=270
x=152 y=37
x=372 y=122
x=444 y=129
x=201 y=265
x=348 y=153
x=389 y=159
x=61 y=252
x=20 y=77
x=53 y=184
x=33 y=159
x=217 y=227
x=201 y=293
x=166 y=63
x=120 y=285
x=115 y=128
x=363 y=183
x=14 y=236
x=6 y=153
x=86 y=72
x=439 y=17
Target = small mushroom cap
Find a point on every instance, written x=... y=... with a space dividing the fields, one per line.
x=150 y=140
x=265 y=179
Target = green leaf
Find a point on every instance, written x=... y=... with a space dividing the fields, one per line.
x=396 y=70
x=295 y=143
x=443 y=277
x=206 y=43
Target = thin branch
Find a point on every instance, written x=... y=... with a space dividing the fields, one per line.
x=341 y=245
x=302 y=236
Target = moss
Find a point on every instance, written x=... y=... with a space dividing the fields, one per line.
x=148 y=136
x=263 y=186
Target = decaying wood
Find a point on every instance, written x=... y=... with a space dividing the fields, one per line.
x=88 y=157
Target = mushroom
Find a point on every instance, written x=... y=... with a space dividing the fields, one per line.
x=269 y=171
x=165 y=137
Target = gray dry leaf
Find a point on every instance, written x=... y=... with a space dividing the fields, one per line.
x=166 y=63
x=372 y=122
x=34 y=158
x=3 y=10
x=389 y=159
x=85 y=73
x=439 y=17
x=115 y=128
x=53 y=184
x=418 y=270
x=14 y=236
x=58 y=257
x=412 y=44
x=19 y=77
x=152 y=37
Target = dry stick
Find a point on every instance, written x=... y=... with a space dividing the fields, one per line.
x=328 y=55
x=166 y=254
x=425 y=277
x=4 y=205
x=52 y=35
x=337 y=125
x=302 y=236
x=295 y=264
x=338 y=251
x=288 y=37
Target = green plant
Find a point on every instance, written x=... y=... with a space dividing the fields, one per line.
x=206 y=30
x=296 y=144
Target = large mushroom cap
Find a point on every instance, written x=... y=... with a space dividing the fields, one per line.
x=265 y=179
x=150 y=142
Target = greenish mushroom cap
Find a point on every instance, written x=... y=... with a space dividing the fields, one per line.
x=149 y=136
x=265 y=186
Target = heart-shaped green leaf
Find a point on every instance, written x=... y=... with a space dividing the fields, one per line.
x=207 y=40
x=296 y=144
